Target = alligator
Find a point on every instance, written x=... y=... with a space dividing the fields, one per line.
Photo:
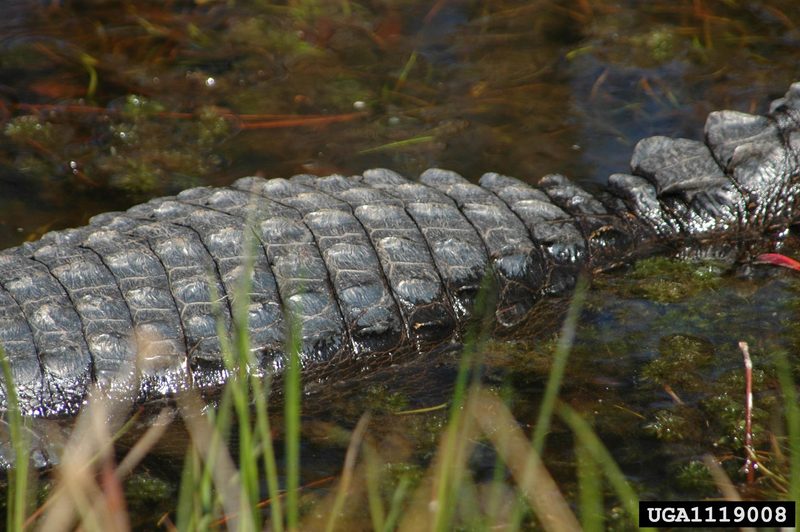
x=369 y=268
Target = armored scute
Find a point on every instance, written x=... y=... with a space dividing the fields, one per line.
x=371 y=267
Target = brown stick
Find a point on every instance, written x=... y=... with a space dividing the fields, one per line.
x=249 y=121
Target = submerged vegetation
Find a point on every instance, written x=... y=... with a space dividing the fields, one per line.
x=104 y=104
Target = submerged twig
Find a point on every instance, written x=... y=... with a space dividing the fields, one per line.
x=244 y=121
x=674 y=396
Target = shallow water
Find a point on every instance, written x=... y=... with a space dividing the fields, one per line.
x=149 y=101
x=103 y=105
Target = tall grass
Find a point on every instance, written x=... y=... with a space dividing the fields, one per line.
x=248 y=396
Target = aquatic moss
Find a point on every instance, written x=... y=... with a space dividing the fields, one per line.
x=211 y=127
x=694 y=477
x=143 y=486
x=137 y=106
x=681 y=359
x=380 y=398
x=522 y=356
x=134 y=176
x=670 y=426
x=724 y=408
x=668 y=280
x=29 y=128
x=659 y=43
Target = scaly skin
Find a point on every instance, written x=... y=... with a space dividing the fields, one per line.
x=372 y=266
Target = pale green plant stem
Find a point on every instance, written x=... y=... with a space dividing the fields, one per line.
x=396 y=507
x=598 y=452
x=292 y=393
x=260 y=392
x=453 y=441
x=248 y=460
x=590 y=490
x=18 y=476
x=792 y=423
x=556 y=377
x=270 y=465
x=377 y=512
x=347 y=472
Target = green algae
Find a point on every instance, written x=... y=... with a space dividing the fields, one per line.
x=381 y=398
x=668 y=280
x=658 y=43
x=681 y=362
x=144 y=486
x=673 y=425
x=28 y=127
x=694 y=478
x=137 y=106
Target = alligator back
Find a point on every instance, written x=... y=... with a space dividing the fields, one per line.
x=371 y=267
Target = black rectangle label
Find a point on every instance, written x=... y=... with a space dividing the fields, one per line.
x=716 y=513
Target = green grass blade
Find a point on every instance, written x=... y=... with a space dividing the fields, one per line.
x=377 y=512
x=398 y=498
x=220 y=420
x=18 y=476
x=421 y=139
x=590 y=490
x=565 y=341
x=589 y=440
x=792 y=423
x=237 y=363
x=187 y=513
x=454 y=445
x=554 y=380
x=403 y=76
x=261 y=394
x=248 y=438
x=292 y=395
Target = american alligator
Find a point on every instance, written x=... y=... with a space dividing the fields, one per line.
x=371 y=266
